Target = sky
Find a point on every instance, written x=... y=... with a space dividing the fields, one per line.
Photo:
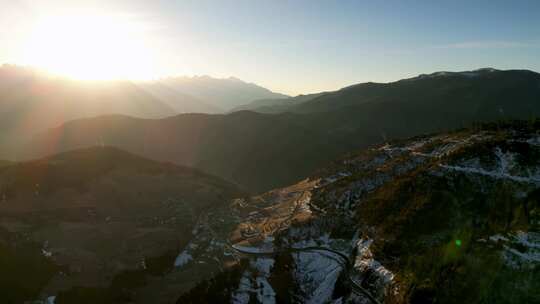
x=289 y=46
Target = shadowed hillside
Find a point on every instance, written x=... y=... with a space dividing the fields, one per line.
x=276 y=105
x=91 y=218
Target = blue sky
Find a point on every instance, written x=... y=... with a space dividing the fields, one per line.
x=308 y=46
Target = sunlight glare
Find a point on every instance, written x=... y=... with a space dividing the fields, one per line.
x=90 y=47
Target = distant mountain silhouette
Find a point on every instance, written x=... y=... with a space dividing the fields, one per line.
x=179 y=101
x=214 y=95
x=263 y=151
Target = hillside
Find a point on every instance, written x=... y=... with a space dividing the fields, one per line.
x=444 y=218
x=469 y=92
x=254 y=150
x=265 y=105
x=276 y=105
x=478 y=93
x=264 y=151
x=98 y=220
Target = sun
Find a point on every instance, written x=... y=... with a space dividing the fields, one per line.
x=90 y=47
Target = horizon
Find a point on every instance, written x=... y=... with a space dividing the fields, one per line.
x=232 y=77
x=291 y=48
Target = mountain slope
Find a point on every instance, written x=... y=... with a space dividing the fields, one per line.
x=276 y=105
x=264 y=151
x=97 y=220
x=445 y=218
x=241 y=147
x=468 y=93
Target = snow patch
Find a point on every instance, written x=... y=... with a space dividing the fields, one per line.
x=317 y=274
x=46 y=253
x=534 y=141
x=372 y=269
x=497 y=238
x=241 y=296
x=183 y=258
x=523 y=251
x=494 y=174
x=506 y=165
x=258 y=285
x=247 y=249
x=45 y=250
x=334 y=178
x=303 y=203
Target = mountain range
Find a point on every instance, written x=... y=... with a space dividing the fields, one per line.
x=261 y=151
x=213 y=95
x=423 y=190
x=31 y=100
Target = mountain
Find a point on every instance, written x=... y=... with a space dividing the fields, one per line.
x=265 y=151
x=97 y=221
x=32 y=101
x=255 y=150
x=443 y=218
x=224 y=94
x=264 y=105
x=468 y=93
x=181 y=102
x=276 y=105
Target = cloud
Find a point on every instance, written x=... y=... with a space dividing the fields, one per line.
x=487 y=45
